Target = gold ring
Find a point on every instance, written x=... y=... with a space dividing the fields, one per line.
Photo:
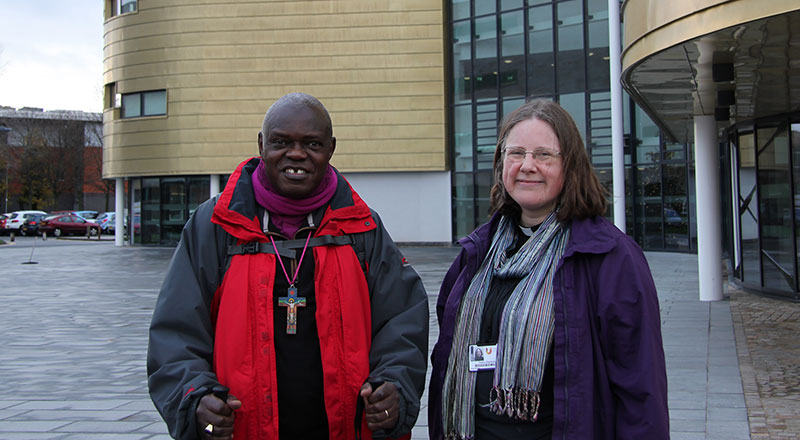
x=387 y=413
x=209 y=429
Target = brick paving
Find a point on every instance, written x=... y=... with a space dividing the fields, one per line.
x=768 y=344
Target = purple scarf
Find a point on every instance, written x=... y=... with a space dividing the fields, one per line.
x=287 y=214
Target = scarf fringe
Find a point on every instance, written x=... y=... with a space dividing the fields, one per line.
x=516 y=403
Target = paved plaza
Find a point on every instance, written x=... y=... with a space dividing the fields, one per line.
x=74 y=336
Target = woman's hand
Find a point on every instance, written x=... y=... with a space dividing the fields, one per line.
x=215 y=417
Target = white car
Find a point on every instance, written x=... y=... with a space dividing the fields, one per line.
x=17 y=218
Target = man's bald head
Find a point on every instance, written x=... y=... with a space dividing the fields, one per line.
x=296 y=100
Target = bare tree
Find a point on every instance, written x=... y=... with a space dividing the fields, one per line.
x=95 y=165
x=67 y=140
x=31 y=168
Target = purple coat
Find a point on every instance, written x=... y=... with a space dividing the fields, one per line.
x=610 y=377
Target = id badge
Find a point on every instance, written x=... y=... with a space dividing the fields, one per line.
x=482 y=357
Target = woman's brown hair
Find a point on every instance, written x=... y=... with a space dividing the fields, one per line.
x=582 y=195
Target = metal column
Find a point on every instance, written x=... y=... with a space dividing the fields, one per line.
x=709 y=212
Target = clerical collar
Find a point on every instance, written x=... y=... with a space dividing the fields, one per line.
x=528 y=231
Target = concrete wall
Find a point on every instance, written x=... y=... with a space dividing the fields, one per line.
x=414 y=206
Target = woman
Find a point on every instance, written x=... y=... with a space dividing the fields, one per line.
x=563 y=298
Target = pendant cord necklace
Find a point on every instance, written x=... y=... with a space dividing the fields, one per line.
x=299 y=262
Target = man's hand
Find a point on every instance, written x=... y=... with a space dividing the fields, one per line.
x=220 y=415
x=381 y=406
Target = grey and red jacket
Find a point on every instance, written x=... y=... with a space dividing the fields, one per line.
x=212 y=324
x=610 y=376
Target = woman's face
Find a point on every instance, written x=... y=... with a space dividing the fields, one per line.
x=533 y=182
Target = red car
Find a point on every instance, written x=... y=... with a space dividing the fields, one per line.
x=65 y=224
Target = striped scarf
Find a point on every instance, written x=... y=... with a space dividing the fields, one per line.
x=526 y=328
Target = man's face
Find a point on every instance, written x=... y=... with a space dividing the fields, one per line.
x=296 y=146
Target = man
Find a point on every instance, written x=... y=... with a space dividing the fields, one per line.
x=287 y=311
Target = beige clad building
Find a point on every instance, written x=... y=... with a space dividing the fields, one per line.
x=187 y=84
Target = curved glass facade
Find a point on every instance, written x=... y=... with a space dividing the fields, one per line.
x=506 y=51
x=765 y=182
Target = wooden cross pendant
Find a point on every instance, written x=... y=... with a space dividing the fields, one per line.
x=291 y=302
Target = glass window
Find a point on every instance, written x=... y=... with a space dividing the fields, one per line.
x=775 y=208
x=131 y=105
x=155 y=103
x=570 y=54
x=173 y=209
x=150 y=221
x=795 y=141
x=649 y=207
x=483 y=7
x=199 y=192
x=483 y=202
x=599 y=140
x=462 y=123
x=135 y=208
x=598 y=54
x=575 y=105
x=510 y=4
x=460 y=9
x=748 y=210
x=606 y=177
x=462 y=62
x=512 y=48
x=485 y=64
x=647 y=139
x=126 y=6
x=463 y=204
x=676 y=207
x=486 y=128
x=151 y=103
x=541 y=59
x=674 y=151
x=509 y=105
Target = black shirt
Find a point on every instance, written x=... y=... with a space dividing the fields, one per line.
x=489 y=425
x=301 y=403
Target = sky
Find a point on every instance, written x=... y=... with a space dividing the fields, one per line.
x=51 y=54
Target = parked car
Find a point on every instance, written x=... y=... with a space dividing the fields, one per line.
x=111 y=226
x=31 y=225
x=65 y=224
x=671 y=217
x=3 y=219
x=103 y=220
x=17 y=218
x=88 y=215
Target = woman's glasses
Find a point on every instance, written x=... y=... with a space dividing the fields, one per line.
x=544 y=156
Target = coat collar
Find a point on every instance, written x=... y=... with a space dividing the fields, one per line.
x=236 y=210
x=594 y=235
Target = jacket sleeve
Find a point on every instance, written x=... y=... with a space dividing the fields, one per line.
x=179 y=355
x=630 y=329
x=399 y=324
